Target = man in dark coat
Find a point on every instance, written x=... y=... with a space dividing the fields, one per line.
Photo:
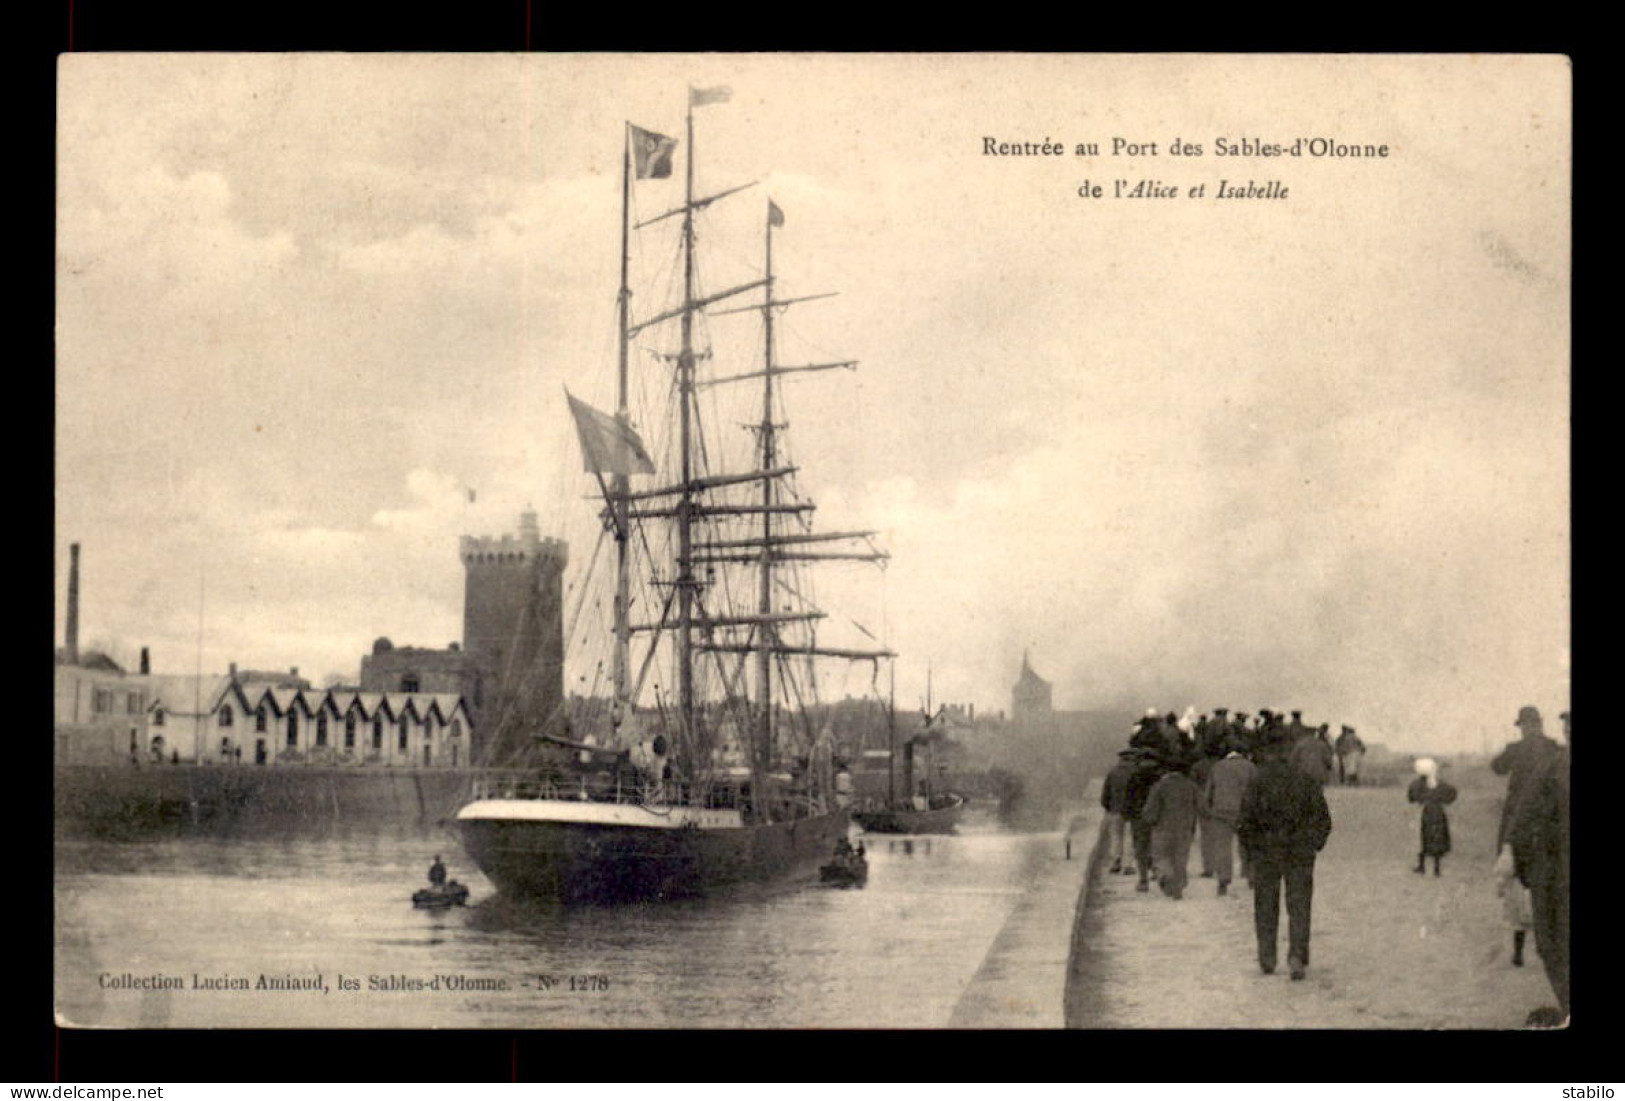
x=1539 y=836
x=1171 y=811
x=1312 y=756
x=1113 y=798
x=1296 y=729
x=1216 y=734
x=1147 y=771
x=1284 y=823
x=1519 y=761
x=1148 y=734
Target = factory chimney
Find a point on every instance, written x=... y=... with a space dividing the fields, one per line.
x=73 y=604
x=146 y=662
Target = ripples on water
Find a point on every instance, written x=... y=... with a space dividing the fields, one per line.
x=897 y=953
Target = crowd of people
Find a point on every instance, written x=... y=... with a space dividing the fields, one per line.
x=1254 y=790
x=1243 y=788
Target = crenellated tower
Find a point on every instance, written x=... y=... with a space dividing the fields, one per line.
x=513 y=625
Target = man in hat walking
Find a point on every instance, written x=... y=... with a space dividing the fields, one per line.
x=1538 y=833
x=1520 y=761
x=1283 y=825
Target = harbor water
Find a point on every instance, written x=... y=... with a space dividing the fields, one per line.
x=305 y=932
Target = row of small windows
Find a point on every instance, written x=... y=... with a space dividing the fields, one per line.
x=102 y=701
x=261 y=723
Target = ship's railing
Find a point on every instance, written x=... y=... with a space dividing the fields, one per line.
x=588 y=790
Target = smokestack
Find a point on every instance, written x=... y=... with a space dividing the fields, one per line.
x=146 y=662
x=233 y=670
x=73 y=604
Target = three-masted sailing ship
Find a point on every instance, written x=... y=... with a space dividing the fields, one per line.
x=720 y=782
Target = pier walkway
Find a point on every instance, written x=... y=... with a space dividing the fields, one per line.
x=1389 y=948
x=1021 y=982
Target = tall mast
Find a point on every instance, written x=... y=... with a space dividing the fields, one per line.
x=891 y=741
x=768 y=636
x=685 y=535
x=621 y=707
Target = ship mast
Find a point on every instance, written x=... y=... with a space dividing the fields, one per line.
x=764 y=605
x=685 y=533
x=620 y=709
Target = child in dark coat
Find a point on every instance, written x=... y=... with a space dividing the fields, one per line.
x=1434 y=795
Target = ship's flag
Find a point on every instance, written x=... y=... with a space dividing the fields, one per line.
x=699 y=97
x=608 y=446
x=775 y=216
x=651 y=153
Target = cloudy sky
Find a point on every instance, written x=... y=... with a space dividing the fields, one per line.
x=1309 y=453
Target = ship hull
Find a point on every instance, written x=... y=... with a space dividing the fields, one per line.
x=909 y=820
x=562 y=851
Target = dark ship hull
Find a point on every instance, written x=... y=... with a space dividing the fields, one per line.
x=941 y=819
x=611 y=852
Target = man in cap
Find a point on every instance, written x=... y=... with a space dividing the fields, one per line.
x=1222 y=795
x=1171 y=811
x=1283 y=825
x=1146 y=772
x=1349 y=751
x=1113 y=798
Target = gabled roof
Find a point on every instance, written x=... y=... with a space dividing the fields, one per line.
x=371 y=703
x=407 y=703
x=186 y=693
x=255 y=696
x=318 y=700
x=289 y=698
x=450 y=705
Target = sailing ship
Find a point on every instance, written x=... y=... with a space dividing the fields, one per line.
x=720 y=783
x=925 y=810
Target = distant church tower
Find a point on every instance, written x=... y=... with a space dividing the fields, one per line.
x=513 y=624
x=1030 y=699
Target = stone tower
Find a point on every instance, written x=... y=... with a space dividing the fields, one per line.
x=513 y=627
x=1031 y=699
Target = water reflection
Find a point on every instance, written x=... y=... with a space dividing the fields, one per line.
x=787 y=954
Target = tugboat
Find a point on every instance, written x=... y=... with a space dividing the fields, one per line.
x=924 y=811
x=728 y=779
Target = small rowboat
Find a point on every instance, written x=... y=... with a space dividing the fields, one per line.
x=440 y=897
x=846 y=870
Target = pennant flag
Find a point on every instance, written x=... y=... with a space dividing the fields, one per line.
x=775 y=216
x=699 y=97
x=651 y=153
x=607 y=445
